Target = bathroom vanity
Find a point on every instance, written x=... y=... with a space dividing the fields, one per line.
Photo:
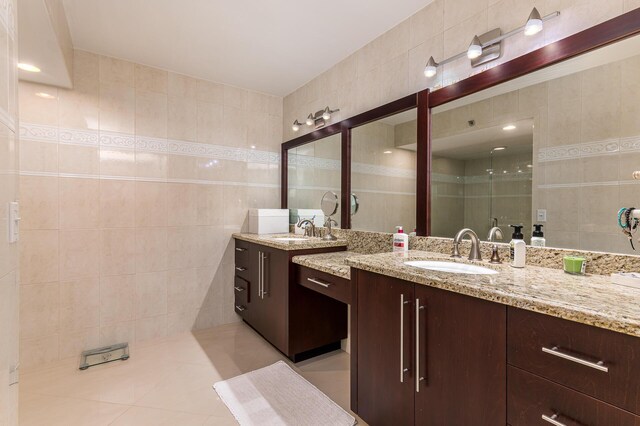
x=440 y=348
x=299 y=322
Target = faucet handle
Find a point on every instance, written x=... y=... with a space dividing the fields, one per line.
x=495 y=256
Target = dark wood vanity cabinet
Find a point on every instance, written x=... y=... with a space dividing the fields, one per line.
x=426 y=356
x=587 y=375
x=297 y=321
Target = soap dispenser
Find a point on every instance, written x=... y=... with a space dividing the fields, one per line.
x=537 y=238
x=517 y=247
x=400 y=241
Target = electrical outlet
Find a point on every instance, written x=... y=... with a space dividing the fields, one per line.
x=542 y=215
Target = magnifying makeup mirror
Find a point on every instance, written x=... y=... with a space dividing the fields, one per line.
x=329 y=203
x=329 y=206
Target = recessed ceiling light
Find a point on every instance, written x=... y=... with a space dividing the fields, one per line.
x=499 y=148
x=28 y=67
x=388 y=152
x=509 y=127
x=529 y=166
x=45 y=95
x=253 y=147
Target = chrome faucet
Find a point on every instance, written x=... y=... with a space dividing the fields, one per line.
x=495 y=234
x=474 y=254
x=309 y=227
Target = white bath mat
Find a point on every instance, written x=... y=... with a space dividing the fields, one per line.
x=277 y=395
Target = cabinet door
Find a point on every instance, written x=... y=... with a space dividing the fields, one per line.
x=461 y=354
x=272 y=297
x=385 y=350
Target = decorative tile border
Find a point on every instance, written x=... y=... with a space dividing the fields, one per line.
x=146 y=179
x=587 y=184
x=589 y=149
x=105 y=139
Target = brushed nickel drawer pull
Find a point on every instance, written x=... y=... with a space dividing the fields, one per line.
x=418 y=377
x=402 y=368
x=241 y=308
x=240 y=268
x=238 y=289
x=240 y=249
x=553 y=420
x=555 y=351
x=317 y=281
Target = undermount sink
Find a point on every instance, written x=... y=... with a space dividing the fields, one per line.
x=290 y=238
x=451 y=267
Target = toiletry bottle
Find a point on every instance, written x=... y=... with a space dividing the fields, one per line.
x=414 y=233
x=537 y=238
x=516 y=236
x=400 y=241
x=519 y=254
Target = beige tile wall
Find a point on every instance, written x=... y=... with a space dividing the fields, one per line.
x=391 y=66
x=132 y=184
x=9 y=270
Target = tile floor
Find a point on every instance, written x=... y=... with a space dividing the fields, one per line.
x=165 y=382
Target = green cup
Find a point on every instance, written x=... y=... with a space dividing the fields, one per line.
x=574 y=265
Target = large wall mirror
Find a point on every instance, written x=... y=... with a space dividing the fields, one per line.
x=557 y=146
x=383 y=173
x=313 y=169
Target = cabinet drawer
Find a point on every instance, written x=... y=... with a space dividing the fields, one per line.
x=327 y=284
x=531 y=397
x=576 y=355
x=242 y=254
x=241 y=289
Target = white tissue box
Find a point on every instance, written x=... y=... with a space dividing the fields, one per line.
x=268 y=221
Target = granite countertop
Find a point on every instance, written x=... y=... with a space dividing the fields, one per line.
x=589 y=299
x=272 y=240
x=331 y=263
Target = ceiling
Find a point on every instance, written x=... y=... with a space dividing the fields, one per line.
x=270 y=46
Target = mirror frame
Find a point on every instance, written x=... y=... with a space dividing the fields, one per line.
x=616 y=29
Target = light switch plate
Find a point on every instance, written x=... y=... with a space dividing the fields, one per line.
x=13 y=219
x=541 y=215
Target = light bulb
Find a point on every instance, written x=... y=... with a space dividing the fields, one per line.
x=431 y=69
x=534 y=23
x=475 y=48
x=296 y=126
x=310 y=120
x=326 y=114
x=509 y=127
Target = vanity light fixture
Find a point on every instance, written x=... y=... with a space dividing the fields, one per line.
x=326 y=115
x=28 y=67
x=310 y=120
x=432 y=68
x=509 y=127
x=487 y=47
x=534 y=23
x=475 y=48
x=319 y=119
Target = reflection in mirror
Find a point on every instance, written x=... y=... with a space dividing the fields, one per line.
x=572 y=138
x=313 y=169
x=383 y=173
x=355 y=204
